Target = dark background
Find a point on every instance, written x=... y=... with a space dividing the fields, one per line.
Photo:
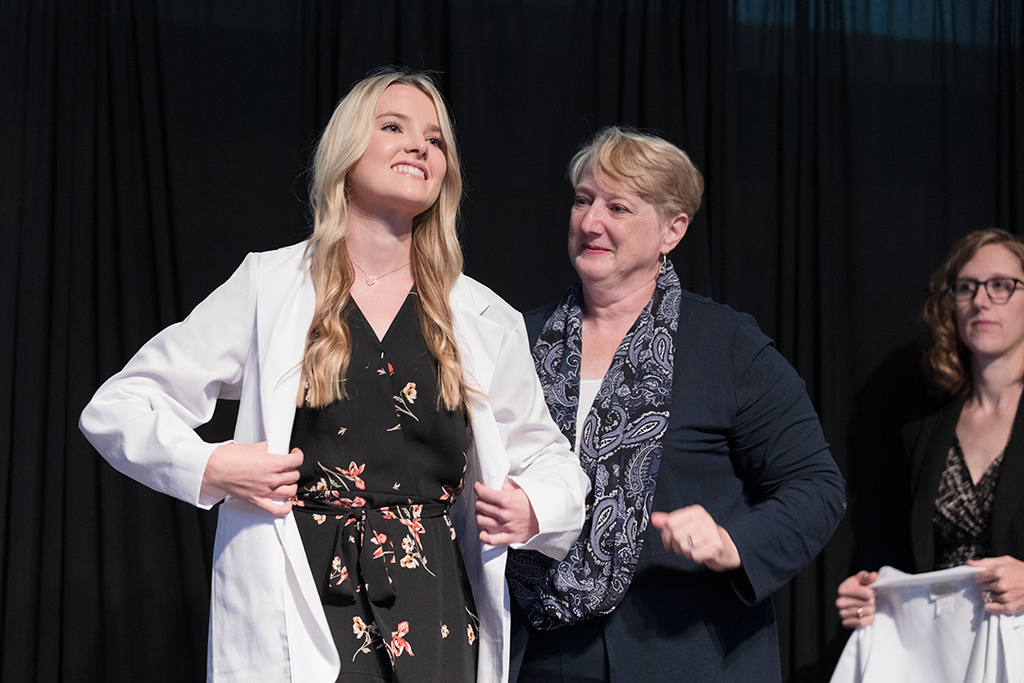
x=145 y=147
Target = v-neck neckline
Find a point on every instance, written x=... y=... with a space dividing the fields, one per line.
x=391 y=324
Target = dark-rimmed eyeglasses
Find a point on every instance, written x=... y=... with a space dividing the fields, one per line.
x=998 y=289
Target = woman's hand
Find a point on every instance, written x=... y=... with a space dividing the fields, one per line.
x=1002 y=579
x=856 y=601
x=691 y=532
x=248 y=472
x=505 y=516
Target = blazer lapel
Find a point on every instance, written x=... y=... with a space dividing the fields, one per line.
x=938 y=433
x=1010 y=486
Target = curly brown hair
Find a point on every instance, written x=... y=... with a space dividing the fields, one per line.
x=946 y=359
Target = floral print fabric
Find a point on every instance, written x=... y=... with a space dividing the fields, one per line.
x=379 y=472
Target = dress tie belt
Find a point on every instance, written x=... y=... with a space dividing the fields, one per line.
x=363 y=549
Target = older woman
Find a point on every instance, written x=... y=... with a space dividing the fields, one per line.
x=380 y=389
x=967 y=457
x=712 y=482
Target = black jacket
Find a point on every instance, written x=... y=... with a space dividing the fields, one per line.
x=928 y=442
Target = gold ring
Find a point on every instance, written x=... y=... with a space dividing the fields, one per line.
x=860 y=612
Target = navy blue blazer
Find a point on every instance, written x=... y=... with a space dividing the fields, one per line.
x=744 y=442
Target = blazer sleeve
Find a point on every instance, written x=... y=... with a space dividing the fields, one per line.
x=143 y=419
x=540 y=459
x=796 y=495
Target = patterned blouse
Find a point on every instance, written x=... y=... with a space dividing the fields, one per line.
x=963 y=511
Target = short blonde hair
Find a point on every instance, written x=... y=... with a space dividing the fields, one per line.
x=652 y=168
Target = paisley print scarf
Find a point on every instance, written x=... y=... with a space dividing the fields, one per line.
x=620 y=451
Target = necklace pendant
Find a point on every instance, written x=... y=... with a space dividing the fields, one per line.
x=372 y=279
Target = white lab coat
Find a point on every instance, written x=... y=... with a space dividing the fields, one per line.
x=245 y=341
x=933 y=628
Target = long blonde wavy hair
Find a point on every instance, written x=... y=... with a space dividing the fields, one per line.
x=946 y=360
x=436 y=255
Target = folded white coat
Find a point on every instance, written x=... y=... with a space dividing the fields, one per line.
x=933 y=628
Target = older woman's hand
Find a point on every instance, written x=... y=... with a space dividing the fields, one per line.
x=691 y=532
x=248 y=472
x=1002 y=579
x=505 y=516
x=856 y=601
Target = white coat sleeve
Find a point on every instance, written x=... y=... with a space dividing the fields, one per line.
x=143 y=419
x=541 y=461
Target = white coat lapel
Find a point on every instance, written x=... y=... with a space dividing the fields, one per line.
x=480 y=340
x=284 y=310
x=286 y=305
x=482 y=336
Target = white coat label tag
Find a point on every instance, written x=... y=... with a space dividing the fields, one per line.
x=944 y=605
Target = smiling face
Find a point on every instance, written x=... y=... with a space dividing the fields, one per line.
x=616 y=239
x=404 y=163
x=991 y=331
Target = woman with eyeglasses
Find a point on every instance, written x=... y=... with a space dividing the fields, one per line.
x=967 y=460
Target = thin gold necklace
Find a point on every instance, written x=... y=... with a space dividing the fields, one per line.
x=370 y=279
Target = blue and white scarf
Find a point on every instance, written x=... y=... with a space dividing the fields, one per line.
x=620 y=452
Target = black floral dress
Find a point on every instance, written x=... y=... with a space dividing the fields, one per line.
x=379 y=473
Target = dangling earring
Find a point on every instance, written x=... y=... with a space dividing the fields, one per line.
x=664 y=260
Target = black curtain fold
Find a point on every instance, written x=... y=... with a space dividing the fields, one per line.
x=146 y=146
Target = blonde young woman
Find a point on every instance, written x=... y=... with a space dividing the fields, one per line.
x=380 y=391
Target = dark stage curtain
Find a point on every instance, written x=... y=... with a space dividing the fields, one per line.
x=145 y=147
